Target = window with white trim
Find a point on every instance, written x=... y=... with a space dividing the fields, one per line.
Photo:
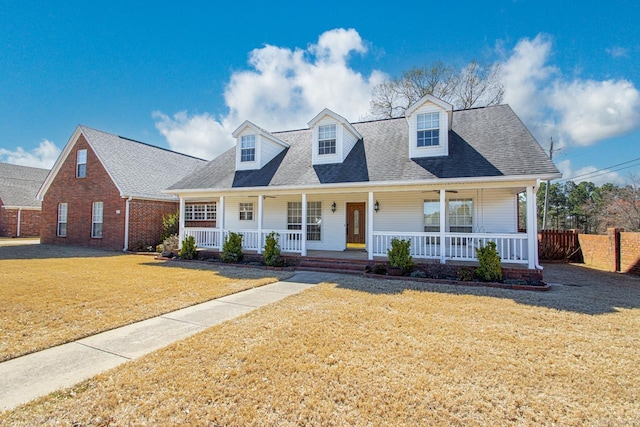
x=327 y=139
x=431 y=209
x=62 y=220
x=248 y=148
x=314 y=218
x=428 y=129
x=294 y=216
x=200 y=212
x=246 y=211
x=461 y=215
x=81 y=164
x=96 y=220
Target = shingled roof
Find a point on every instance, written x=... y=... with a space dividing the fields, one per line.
x=488 y=142
x=139 y=170
x=20 y=184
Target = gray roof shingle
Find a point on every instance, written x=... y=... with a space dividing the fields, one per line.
x=20 y=184
x=138 y=169
x=484 y=142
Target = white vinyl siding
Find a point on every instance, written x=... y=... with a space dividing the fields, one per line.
x=81 y=164
x=63 y=210
x=96 y=220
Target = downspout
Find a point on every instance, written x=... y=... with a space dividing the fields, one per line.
x=126 y=225
x=19 y=221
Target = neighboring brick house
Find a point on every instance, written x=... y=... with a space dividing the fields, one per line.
x=19 y=208
x=105 y=191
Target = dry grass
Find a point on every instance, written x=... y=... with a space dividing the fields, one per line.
x=49 y=301
x=367 y=352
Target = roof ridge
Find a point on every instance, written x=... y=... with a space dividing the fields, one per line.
x=143 y=143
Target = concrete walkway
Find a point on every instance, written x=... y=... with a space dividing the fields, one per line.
x=28 y=377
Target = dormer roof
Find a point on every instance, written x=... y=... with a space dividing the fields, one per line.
x=258 y=130
x=428 y=98
x=338 y=118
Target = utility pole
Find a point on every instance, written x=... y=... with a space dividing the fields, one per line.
x=546 y=193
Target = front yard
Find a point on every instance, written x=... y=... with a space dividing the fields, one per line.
x=50 y=295
x=374 y=352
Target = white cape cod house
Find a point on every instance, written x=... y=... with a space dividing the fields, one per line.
x=447 y=180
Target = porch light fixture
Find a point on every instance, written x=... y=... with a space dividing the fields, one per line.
x=376 y=206
x=333 y=207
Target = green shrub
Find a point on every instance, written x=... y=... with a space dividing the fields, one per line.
x=272 y=250
x=400 y=254
x=490 y=269
x=232 y=248
x=170 y=225
x=465 y=274
x=188 y=250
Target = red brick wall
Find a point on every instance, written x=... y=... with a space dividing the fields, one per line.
x=80 y=193
x=597 y=251
x=145 y=221
x=630 y=253
x=29 y=223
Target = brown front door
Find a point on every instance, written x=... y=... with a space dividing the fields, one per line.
x=356 y=216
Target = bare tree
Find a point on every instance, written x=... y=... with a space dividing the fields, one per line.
x=473 y=86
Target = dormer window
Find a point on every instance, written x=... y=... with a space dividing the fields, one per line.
x=248 y=148
x=428 y=128
x=327 y=139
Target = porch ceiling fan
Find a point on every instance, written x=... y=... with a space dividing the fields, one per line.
x=437 y=191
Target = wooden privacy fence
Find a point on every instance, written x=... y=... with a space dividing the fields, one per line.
x=559 y=245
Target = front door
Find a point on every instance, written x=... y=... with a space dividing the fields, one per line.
x=356 y=216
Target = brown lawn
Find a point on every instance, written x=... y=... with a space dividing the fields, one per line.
x=367 y=352
x=51 y=295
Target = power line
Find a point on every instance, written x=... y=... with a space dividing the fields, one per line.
x=605 y=170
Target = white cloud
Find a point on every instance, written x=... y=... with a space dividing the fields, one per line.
x=618 y=52
x=283 y=89
x=199 y=135
x=573 y=111
x=589 y=173
x=43 y=156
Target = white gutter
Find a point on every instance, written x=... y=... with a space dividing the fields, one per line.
x=126 y=225
x=390 y=184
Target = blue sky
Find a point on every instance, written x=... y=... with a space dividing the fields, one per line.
x=184 y=76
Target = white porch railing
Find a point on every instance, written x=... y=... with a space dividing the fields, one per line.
x=458 y=246
x=289 y=240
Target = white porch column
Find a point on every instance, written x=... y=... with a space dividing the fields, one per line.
x=532 y=228
x=220 y=220
x=260 y=203
x=370 y=226
x=181 y=226
x=303 y=243
x=443 y=225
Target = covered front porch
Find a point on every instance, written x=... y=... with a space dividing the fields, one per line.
x=444 y=224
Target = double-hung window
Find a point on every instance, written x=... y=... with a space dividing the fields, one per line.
x=96 y=220
x=327 y=139
x=200 y=212
x=248 y=148
x=314 y=218
x=81 y=164
x=428 y=129
x=432 y=216
x=461 y=215
x=246 y=211
x=62 y=219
